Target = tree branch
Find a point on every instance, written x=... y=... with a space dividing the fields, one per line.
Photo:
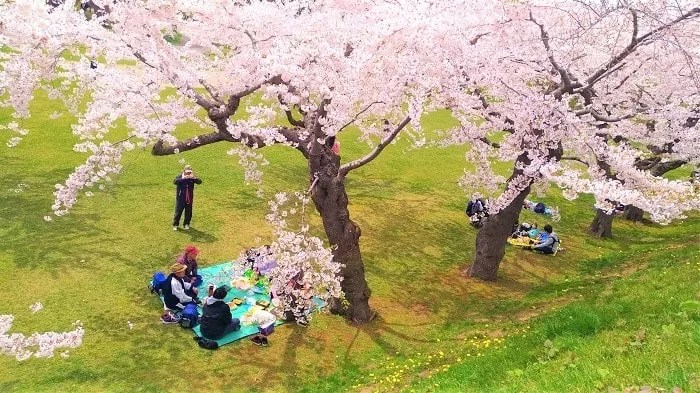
x=635 y=42
x=292 y=120
x=160 y=149
x=544 y=36
x=212 y=92
x=488 y=142
x=343 y=171
x=365 y=109
x=575 y=159
x=296 y=138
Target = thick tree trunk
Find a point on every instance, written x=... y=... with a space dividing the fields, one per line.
x=633 y=213
x=331 y=201
x=492 y=238
x=602 y=224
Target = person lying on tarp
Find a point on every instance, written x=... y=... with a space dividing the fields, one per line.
x=177 y=293
x=540 y=208
x=265 y=321
x=547 y=241
x=216 y=319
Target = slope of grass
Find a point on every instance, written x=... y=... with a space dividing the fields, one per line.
x=602 y=313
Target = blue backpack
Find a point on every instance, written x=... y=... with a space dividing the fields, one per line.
x=157 y=282
x=190 y=316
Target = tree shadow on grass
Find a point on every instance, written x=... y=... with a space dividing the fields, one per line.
x=38 y=243
x=379 y=330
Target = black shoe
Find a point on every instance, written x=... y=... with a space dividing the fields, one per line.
x=264 y=341
x=257 y=340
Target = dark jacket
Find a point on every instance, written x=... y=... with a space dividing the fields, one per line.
x=171 y=301
x=184 y=191
x=215 y=318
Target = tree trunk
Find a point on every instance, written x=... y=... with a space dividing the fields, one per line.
x=492 y=238
x=633 y=213
x=602 y=224
x=331 y=201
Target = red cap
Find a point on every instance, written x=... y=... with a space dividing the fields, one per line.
x=190 y=249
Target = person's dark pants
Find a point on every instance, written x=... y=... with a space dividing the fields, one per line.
x=233 y=326
x=545 y=250
x=179 y=207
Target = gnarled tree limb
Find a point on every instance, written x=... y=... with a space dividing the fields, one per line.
x=343 y=171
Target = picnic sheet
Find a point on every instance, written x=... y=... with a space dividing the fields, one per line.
x=520 y=241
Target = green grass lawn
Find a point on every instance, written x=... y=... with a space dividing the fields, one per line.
x=602 y=314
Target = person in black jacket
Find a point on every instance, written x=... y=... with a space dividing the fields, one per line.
x=184 y=196
x=177 y=293
x=216 y=318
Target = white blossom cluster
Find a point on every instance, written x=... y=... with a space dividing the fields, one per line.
x=40 y=345
x=305 y=267
x=498 y=67
x=251 y=161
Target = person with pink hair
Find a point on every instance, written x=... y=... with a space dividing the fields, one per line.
x=188 y=257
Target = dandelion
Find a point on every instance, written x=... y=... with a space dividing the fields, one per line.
x=48 y=218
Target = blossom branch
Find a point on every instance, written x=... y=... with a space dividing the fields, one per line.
x=568 y=158
x=343 y=171
x=366 y=108
x=636 y=42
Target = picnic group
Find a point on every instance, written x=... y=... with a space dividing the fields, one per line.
x=229 y=301
x=525 y=235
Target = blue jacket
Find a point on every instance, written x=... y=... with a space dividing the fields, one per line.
x=546 y=242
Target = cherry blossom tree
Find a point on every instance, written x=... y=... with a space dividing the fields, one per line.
x=529 y=82
x=326 y=66
x=567 y=90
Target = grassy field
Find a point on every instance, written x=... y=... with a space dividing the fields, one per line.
x=602 y=314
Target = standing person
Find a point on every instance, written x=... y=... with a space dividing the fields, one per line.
x=216 y=316
x=184 y=196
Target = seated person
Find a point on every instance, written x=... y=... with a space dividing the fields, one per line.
x=546 y=242
x=177 y=293
x=522 y=230
x=477 y=210
x=534 y=232
x=265 y=261
x=216 y=318
x=189 y=259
